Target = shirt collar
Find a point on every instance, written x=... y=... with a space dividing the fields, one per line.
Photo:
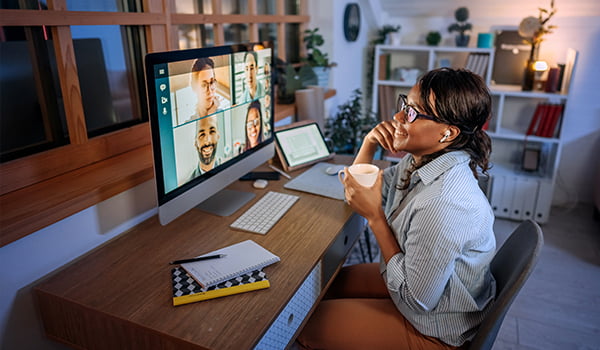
x=432 y=170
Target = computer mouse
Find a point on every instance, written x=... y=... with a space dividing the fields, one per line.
x=333 y=170
x=260 y=183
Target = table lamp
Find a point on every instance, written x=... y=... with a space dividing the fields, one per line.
x=539 y=67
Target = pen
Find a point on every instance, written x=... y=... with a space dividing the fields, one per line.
x=200 y=258
x=280 y=171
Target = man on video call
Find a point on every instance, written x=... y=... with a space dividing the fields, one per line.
x=207 y=138
x=204 y=84
x=253 y=88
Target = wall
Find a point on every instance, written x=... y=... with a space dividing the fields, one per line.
x=349 y=74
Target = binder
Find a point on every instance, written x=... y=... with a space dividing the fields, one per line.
x=497 y=194
x=544 y=201
x=524 y=198
x=530 y=190
x=186 y=290
x=518 y=199
x=507 y=196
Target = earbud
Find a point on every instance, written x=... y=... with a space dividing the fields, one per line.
x=446 y=135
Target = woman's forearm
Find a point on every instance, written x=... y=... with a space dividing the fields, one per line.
x=385 y=238
x=366 y=152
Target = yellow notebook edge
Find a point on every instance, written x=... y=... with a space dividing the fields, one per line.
x=217 y=293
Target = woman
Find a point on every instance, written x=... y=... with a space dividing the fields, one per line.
x=253 y=125
x=433 y=225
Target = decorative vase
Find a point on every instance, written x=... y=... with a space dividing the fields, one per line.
x=322 y=76
x=528 y=76
x=393 y=38
x=462 y=40
x=529 y=71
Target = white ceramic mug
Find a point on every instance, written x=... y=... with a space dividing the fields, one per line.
x=365 y=174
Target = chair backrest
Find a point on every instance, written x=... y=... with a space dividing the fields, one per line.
x=511 y=266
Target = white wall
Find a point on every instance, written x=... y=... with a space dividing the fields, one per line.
x=349 y=74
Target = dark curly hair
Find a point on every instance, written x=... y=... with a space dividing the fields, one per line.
x=460 y=98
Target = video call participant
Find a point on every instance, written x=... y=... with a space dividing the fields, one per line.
x=267 y=74
x=253 y=124
x=432 y=222
x=204 y=84
x=253 y=88
x=207 y=139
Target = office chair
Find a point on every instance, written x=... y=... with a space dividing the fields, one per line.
x=511 y=266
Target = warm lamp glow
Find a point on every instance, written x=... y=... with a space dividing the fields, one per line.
x=540 y=66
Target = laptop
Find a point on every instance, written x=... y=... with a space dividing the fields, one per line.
x=301 y=144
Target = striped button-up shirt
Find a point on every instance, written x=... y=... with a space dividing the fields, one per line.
x=441 y=281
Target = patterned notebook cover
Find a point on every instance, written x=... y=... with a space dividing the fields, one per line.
x=186 y=290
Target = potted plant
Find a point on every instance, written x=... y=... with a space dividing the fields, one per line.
x=461 y=26
x=349 y=126
x=317 y=59
x=433 y=38
x=390 y=34
x=289 y=79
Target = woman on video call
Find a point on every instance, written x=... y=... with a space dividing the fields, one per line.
x=253 y=125
x=432 y=222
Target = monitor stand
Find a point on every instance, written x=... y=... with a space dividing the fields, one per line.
x=225 y=202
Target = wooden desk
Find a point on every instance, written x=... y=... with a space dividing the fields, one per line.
x=119 y=295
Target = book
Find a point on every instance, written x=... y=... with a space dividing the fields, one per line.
x=535 y=120
x=555 y=114
x=186 y=290
x=477 y=63
x=384 y=66
x=387 y=102
x=550 y=119
x=240 y=258
x=544 y=120
x=551 y=84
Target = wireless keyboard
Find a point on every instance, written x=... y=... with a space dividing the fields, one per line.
x=260 y=217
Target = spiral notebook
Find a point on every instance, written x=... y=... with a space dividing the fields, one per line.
x=240 y=258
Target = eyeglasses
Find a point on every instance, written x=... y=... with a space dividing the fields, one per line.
x=410 y=111
x=209 y=85
x=252 y=123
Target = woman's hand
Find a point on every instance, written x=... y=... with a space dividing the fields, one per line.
x=383 y=134
x=366 y=201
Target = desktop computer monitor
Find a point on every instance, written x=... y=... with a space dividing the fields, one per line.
x=211 y=117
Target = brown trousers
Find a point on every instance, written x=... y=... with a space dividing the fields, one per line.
x=358 y=313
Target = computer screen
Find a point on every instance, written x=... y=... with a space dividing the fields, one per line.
x=211 y=120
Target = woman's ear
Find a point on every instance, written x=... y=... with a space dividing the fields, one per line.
x=450 y=133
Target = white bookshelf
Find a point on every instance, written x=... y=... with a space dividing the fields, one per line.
x=513 y=192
